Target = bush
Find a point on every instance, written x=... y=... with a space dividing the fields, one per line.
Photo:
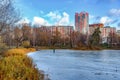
x=26 y=44
x=18 y=68
x=2 y=47
x=105 y=45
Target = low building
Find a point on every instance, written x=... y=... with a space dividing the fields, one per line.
x=63 y=30
x=118 y=32
x=92 y=27
x=105 y=31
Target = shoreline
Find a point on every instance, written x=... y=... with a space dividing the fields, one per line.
x=79 y=48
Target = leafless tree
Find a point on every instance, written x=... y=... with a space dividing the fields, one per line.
x=9 y=16
x=18 y=36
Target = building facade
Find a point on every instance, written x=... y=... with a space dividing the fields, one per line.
x=92 y=27
x=82 y=22
x=64 y=31
x=106 y=32
x=118 y=32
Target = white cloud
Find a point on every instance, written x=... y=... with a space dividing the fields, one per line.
x=106 y=20
x=54 y=15
x=59 y=18
x=52 y=18
x=40 y=21
x=115 y=12
x=65 y=19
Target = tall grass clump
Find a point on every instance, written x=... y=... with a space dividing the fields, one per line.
x=15 y=65
x=18 y=68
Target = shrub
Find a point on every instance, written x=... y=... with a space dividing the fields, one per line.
x=18 y=68
x=26 y=44
x=2 y=47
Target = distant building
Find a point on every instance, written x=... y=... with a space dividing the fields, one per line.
x=92 y=27
x=63 y=30
x=118 y=32
x=105 y=31
x=82 y=22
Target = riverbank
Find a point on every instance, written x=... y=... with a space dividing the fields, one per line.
x=76 y=48
x=84 y=48
x=15 y=65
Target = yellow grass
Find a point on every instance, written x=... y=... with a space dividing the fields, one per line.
x=15 y=65
x=18 y=68
x=18 y=51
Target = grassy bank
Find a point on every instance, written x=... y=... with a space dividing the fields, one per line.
x=15 y=65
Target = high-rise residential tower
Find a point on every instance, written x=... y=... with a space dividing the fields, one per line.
x=82 y=22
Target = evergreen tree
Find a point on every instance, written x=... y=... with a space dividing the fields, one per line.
x=95 y=37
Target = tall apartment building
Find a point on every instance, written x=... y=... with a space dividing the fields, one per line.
x=82 y=22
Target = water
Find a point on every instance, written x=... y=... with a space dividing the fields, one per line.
x=78 y=65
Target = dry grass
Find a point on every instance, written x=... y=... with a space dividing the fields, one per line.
x=18 y=51
x=18 y=68
x=15 y=65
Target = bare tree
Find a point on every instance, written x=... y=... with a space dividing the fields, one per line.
x=8 y=14
x=26 y=30
x=18 y=36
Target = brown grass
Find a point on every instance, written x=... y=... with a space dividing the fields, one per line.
x=15 y=65
x=18 y=51
x=18 y=68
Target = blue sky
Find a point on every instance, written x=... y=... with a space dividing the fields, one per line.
x=61 y=12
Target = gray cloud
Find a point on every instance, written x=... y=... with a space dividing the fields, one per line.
x=114 y=21
x=97 y=19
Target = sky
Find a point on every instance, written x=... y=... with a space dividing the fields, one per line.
x=62 y=12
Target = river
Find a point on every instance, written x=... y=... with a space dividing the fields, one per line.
x=78 y=65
